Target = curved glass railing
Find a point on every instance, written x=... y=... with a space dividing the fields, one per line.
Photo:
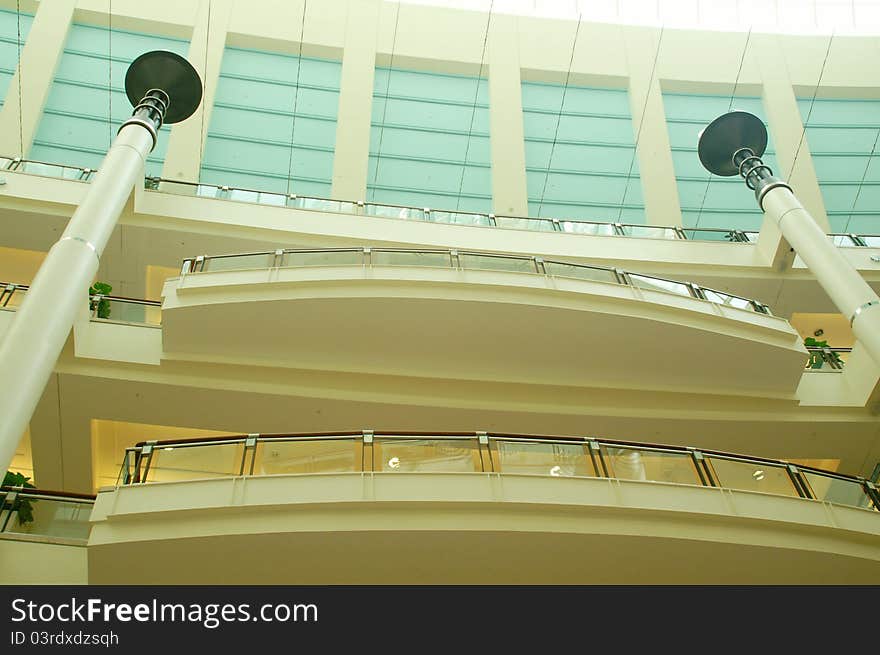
x=116 y=309
x=460 y=260
x=176 y=460
x=37 y=513
x=402 y=212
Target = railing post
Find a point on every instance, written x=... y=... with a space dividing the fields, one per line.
x=539 y=266
x=250 y=446
x=702 y=467
x=492 y=221
x=622 y=277
x=799 y=483
x=598 y=460
x=679 y=233
x=367 y=452
x=556 y=226
x=873 y=493
x=485 y=451
x=368 y=257
x=9 y=502
x=455 y=260
x=143 y=461
x=199 y=265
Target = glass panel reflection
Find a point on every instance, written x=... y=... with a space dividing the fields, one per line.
x=753 y=476
x=554 y=459
x=238 y=262
x=49 y=517
x=403 y=258
x=657 y=284
x=871 y=240
x=174 y=463
x=653 y=465
x=426 y=455
x=580 y=227
x=458 y=218
x=488 y=262
x=649 y=232
x=533 y=224
x=580 y=272
x=708 y=234
x=393 y=211
x=837 y=490
x=324 y=258
x=726 y=299
x=307 y=456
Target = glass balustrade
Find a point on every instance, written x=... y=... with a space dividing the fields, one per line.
x=101 y=308
x=467 y=260
x=570 y=226
x=31 y=512
x=552 y=457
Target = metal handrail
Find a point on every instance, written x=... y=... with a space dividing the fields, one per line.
x=197 y=265
x=138 y=459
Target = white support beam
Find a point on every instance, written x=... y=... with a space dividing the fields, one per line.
x=351 y=156
x=186 y=144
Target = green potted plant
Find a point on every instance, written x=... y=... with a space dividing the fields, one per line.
x=23 y=507
x=102 y=307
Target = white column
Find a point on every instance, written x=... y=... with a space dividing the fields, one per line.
x=42 y=324
x=35 y=73
x=186 y=144
x=352 y=153
x=506 y=139
x=659 y=188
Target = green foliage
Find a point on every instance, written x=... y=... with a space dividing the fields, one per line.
x=817 y=358
x=24 y=506
x=102 y=307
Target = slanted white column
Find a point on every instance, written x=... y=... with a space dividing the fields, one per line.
x=506 y=140
x=186 y=143
x=35 y=73
x=843 y=283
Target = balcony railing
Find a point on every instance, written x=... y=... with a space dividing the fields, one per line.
x=460 y=260
x=827 y=359
x=361 y=208
x=54 y=514
x=389 y=453
x=113 y=309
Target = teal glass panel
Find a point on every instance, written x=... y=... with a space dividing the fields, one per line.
x=429 y=142
x=11 y=23
x=842 y=134
x=580 y=154
x=87 y=101
x=709 y=200
x=273 y=125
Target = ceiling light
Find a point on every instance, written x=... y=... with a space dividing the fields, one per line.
x=556 y=471
x=758 y=474
x=168 y=448
x=394 y=463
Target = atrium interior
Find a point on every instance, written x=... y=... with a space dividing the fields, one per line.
x=439 y=292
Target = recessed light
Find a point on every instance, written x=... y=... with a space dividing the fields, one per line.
x=758 y=474
x=169 y=448
x=556 y=471
x=394 y=462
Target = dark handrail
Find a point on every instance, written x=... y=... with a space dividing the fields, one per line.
x=28 y=491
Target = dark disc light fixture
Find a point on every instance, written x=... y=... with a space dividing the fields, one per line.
x=168 y=72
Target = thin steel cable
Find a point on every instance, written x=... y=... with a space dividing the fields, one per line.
x=204 y=91
x=641 y=123
x=742 y=60
x=385 y=104
x=474 y=108
x=302 y=29
x=20 y=75
x=810 y=110
x=559 y=115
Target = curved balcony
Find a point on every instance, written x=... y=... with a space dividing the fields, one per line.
x=474 y=315
x=387 y=507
